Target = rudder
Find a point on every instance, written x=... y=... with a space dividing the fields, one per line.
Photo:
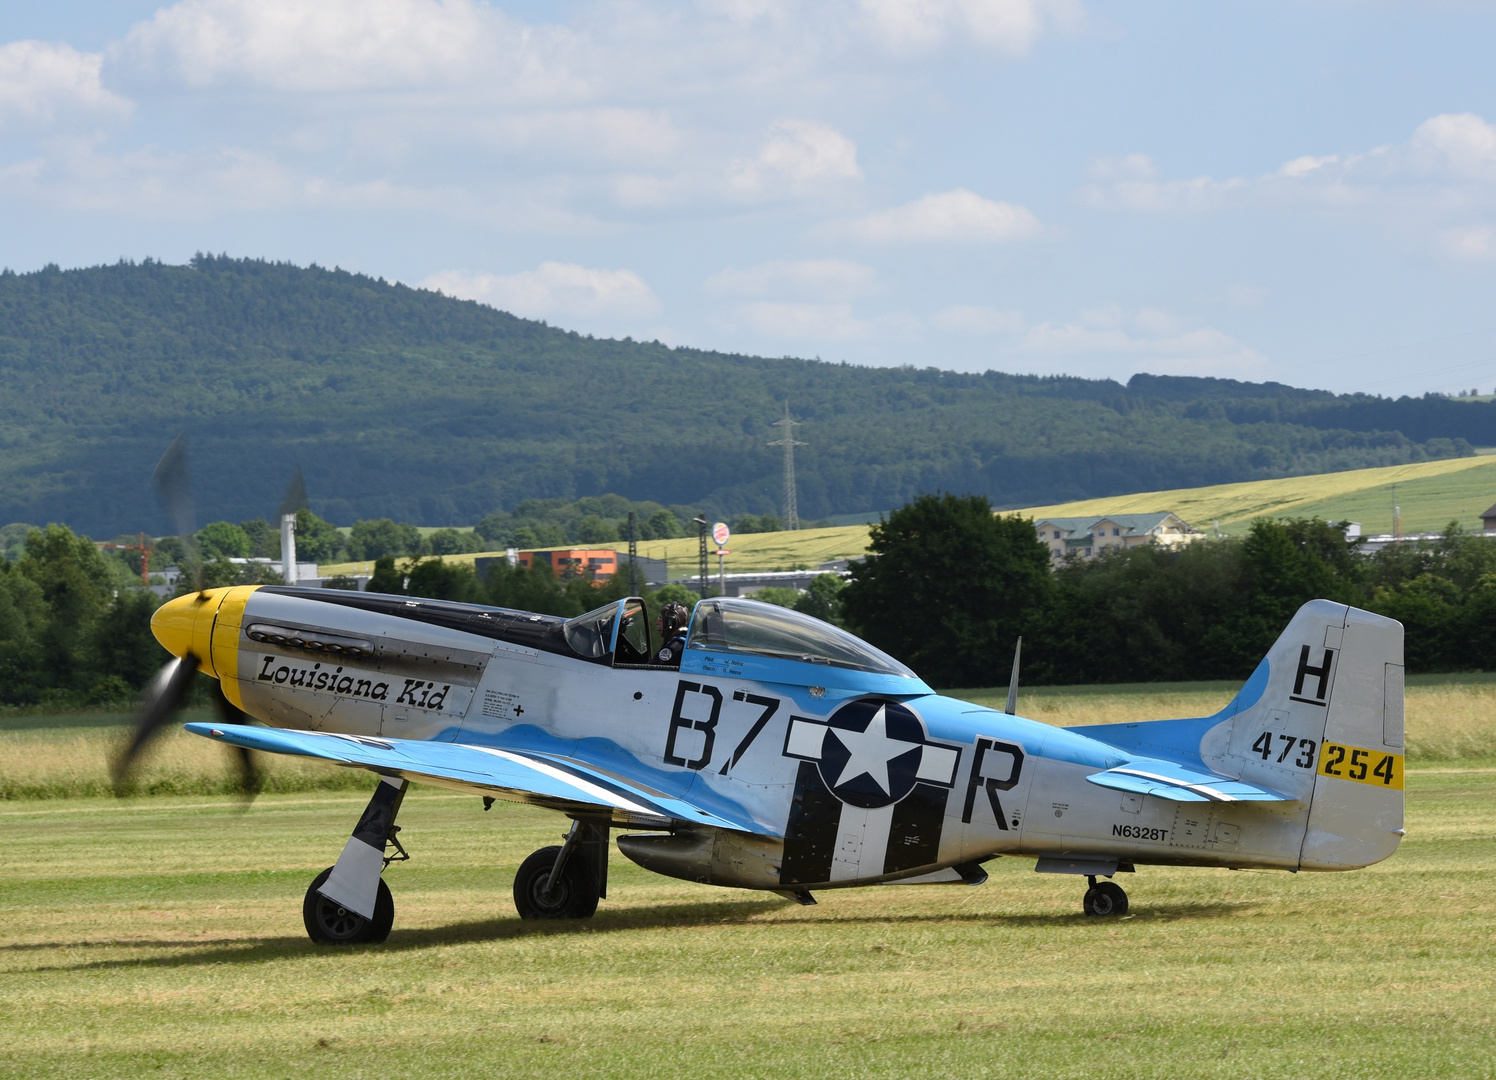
x=1356 y=816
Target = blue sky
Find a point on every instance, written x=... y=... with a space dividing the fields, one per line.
x=1297 y=191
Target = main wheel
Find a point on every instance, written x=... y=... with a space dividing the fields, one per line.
x=574 y=896
x=1105 y=898
x=329 y=923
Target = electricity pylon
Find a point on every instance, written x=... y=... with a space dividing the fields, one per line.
x=791 y=510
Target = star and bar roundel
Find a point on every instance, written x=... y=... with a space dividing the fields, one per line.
x=871 y=752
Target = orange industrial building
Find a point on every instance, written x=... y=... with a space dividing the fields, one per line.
x=597 y=563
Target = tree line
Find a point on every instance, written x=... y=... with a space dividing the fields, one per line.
x=948 y=587
x=533 y=523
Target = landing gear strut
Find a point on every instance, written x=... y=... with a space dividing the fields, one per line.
x=349 y=903
x=565 y=882
x=1104 y=898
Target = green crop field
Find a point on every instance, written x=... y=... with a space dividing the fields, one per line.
x=1431 y=495
x=162 y=936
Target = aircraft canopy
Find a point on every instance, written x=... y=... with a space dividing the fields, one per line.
x=739 y=625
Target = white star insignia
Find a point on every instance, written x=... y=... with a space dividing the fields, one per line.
x=870 y=751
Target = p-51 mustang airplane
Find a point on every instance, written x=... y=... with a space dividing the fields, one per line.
x=779 y=752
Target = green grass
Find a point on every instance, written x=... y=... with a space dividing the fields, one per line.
x=1431 y=495
x=162 y=937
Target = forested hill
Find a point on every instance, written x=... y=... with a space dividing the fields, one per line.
x=404 y=403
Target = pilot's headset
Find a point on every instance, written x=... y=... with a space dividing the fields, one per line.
x=673 y=618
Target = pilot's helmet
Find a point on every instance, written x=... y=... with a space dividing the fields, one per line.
x=673 y=617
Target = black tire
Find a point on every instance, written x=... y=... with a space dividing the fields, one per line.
x=574 y=896
x=1105 y=899
x=328 y=923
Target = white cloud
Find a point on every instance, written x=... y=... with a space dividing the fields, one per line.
x=958 y=216
x=825 y=279
x=1159 y=339
x=1303 y=166
x=42 y=83
x=800 y=153
x=606 y=110
x=337 y=45
x=1009 y=26
x=1132 y=183
x=1449 y=162
x=971 y=319
x=553 y=289
x=1463 y=143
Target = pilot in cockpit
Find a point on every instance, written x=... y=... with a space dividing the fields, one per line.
x=672 y=627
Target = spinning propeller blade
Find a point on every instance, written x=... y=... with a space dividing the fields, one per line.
x=164 y=697
x=249 y=772
x=168 y=692
x=174 y=491
x=294 y=499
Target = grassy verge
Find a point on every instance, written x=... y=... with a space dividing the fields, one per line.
x=67 y=755
x=163 y=937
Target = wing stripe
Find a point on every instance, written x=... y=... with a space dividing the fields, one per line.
x=1201 y=789
x=586 y=786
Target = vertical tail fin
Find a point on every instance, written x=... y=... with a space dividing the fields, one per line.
x=1327 y=728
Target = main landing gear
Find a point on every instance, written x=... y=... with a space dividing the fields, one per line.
x=1104 y=898
x=349 y=903
x=565 y=882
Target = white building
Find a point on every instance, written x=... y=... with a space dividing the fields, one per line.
x=1089 y=537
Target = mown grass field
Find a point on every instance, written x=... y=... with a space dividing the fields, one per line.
x=162 y=936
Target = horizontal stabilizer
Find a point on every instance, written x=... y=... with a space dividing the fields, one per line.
x=1167 y=780
x=548 y=780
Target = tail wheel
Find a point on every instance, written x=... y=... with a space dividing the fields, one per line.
x=1105 y=898
x=573 y=895
x=329 y=923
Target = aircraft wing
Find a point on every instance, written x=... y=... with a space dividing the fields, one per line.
x=548 y=780
x=1178 y=783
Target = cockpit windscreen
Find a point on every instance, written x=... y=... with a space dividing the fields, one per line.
x=737 y=624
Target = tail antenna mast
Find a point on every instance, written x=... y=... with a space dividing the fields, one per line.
x=1012 y=706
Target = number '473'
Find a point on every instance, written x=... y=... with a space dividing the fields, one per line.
x=1286 y=744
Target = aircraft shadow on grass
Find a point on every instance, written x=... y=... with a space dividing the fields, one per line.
x=264 y=950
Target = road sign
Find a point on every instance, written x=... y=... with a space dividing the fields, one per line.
x=720 y=533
